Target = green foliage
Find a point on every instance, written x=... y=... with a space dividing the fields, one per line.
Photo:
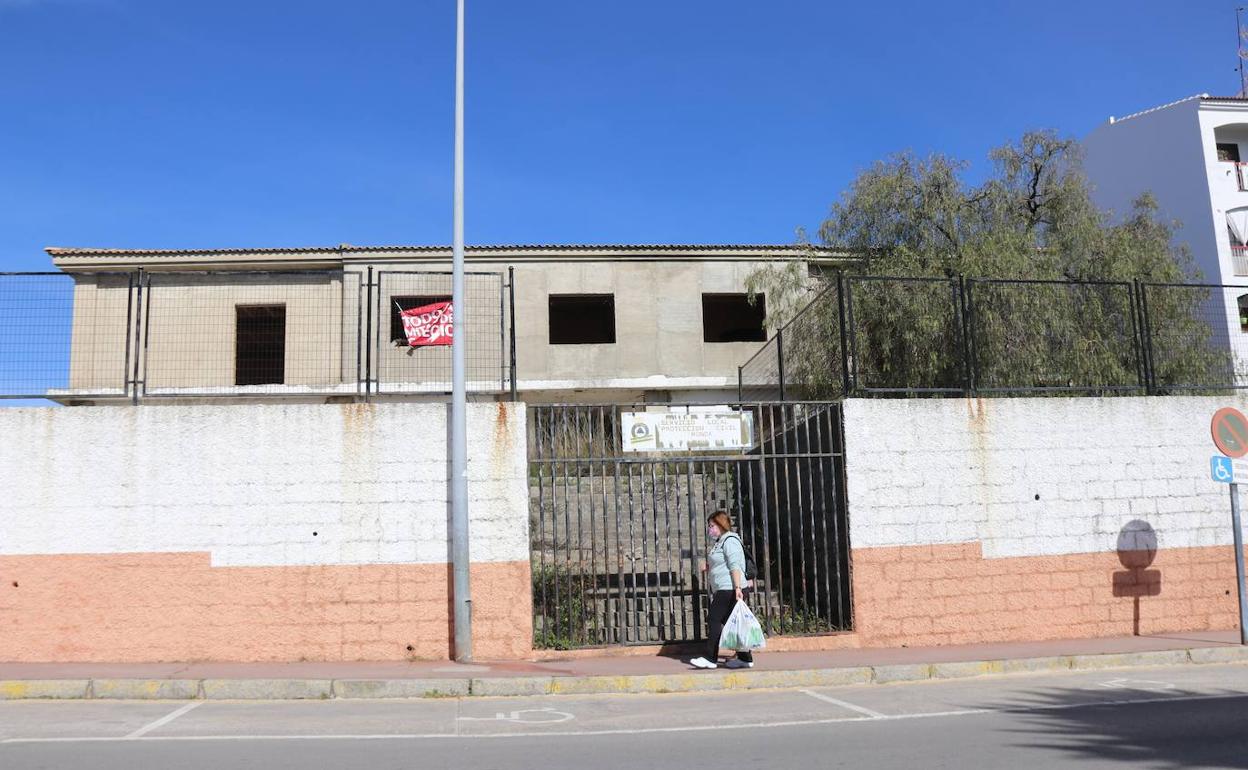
x=1032 y=218
x=796 y=621
x=559 y=608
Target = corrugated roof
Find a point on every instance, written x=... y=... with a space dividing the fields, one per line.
x=58 y=251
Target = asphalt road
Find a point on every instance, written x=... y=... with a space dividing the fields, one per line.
x=1174 y=717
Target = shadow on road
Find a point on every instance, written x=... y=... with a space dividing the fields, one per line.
x=1208 y=732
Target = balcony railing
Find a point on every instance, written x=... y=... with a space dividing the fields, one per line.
x=1239 y=259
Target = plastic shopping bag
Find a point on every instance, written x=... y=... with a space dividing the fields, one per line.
x=742 y=632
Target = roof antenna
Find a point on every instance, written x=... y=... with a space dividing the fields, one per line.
x=1240 y=37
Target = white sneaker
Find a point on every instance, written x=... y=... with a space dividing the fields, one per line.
x=736 y=663
x=702 y=663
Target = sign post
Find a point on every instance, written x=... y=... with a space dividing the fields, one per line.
x=1230 y=435
x=1239 y=563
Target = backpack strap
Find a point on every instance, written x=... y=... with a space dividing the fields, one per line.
x=745 y=555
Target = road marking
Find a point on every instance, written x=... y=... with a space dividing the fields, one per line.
x=1148 y=685
x=517 y=716
x=166 y=719
x=844 y=704
x=635 y=731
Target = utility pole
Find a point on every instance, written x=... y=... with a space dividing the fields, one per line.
x=1240 y=51
x=459 y=406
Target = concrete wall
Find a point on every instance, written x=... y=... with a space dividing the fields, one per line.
x=996 y=520
x=101 y=334
x=659 y=338
x=658 y=319
x=274 y=532
x=187 y=331
x=189 y=323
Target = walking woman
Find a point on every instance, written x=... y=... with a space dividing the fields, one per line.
x=725 y=565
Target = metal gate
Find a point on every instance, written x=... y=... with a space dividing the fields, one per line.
x=618 y=538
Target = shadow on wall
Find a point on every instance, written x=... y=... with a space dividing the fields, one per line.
x=1137 y=548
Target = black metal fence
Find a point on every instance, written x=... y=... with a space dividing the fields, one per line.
x=618 y=536
x=399 y=368
x=88 y=336
x=874 y=335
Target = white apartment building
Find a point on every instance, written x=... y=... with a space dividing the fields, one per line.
x=1191 y=155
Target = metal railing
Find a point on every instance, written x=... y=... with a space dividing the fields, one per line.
x=874 y=335
x=92 y=336
x=60 y=335
x=400 y=368
x=1239 y=259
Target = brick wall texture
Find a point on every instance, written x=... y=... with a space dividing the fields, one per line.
x=1018 y=519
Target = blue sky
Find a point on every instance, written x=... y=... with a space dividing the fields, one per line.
x=156 y=124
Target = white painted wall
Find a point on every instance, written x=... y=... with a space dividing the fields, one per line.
x=251 y=484
x=942 y=471
x=1158 y=151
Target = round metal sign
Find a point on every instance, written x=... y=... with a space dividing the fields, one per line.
x=1230 y=432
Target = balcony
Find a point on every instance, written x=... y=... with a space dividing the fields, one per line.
x=1239 y=259
x=1233 y=178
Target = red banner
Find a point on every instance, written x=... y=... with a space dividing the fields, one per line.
x=429 y=324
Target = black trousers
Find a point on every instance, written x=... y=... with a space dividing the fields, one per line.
x=721 y=607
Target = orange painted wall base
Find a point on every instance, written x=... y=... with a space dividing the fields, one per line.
x=177 y=607
x=950 y=594
x=154 y=607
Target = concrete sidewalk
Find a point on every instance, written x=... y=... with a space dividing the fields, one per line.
x=580 y=674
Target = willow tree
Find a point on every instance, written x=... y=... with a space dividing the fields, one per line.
x=1031 y=220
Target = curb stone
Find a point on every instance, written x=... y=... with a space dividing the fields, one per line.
x=1033 y=665
x=1162 y=658
x=1218 y=654
x=353 y=689
x=45 y=689
x=145 y=689
x=520 y=685
x=907 y=672
x=267 y=689
x=967 y=669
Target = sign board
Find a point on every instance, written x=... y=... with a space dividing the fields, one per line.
x=429 y=324
x=1230 y=432
x=1228 y=471
x=716 y=429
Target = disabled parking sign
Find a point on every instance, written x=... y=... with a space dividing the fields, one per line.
x=1227 y=471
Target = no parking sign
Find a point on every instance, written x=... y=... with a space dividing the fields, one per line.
x=1230 y=431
